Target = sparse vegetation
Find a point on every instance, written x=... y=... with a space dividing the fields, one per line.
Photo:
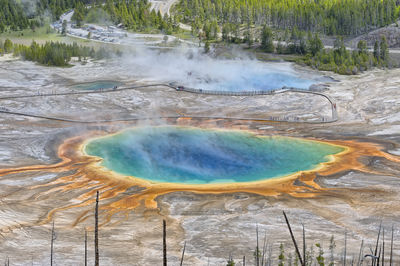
x=320 y=258
x=281 y=257
x=230 y=262
x=281 y=260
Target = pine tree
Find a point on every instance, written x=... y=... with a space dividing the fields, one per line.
x=249 y=37
x=207 y=47
x=376 y=51
x=225 y=32
x=315 y=44
x=362 y=47
x=64 y=28
x=8 y=46
x=79 y=14
x=267 y=40
x=384 y=51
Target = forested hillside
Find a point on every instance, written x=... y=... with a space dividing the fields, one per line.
x=17 y=16
x=133 y=14
x=274 y=26
x=331 y=17
x=57 y=7
x=12 y=15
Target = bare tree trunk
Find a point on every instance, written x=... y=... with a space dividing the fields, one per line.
x=183 y=253
x=85 y=247
x=294 y=240
x=264 y=250
x=164 y=243
x=304 y=246
x=257 y=253
x=383 y=246
x=53 y=237
x=391 y=249
x=270 y=255
x=345 y=248
x=377 y=243
x=379 y=255
x=96 y=231
x=244 y=260
x=360 y=255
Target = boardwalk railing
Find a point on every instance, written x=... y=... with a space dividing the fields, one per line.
x=285 y=89
x=233 y=93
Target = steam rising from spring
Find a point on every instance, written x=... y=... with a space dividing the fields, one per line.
x=194 y=69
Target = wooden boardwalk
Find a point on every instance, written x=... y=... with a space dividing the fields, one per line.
x=331 y=119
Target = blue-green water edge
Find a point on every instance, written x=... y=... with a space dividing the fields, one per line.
x=197 y=156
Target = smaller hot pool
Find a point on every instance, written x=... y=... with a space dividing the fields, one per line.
x=98 y=85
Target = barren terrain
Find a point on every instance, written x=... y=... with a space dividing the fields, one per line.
x=214 y=226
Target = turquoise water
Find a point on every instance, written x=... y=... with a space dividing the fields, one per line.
x=97 y=85
x=245 y=75
x=197 y=156
x=249 y=80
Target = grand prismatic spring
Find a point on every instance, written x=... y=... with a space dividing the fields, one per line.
x=198 y=156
